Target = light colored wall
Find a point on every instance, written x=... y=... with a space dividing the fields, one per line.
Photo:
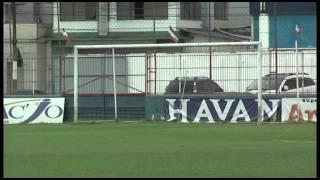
x=32 y=50
x=237 y=16
x=96 y=65
x=127 y=25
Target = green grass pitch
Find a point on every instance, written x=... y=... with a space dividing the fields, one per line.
x=159 y=149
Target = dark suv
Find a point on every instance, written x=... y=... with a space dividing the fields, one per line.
x=192 y=85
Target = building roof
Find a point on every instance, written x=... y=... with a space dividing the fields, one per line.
x=236 y=34
x=117 y=36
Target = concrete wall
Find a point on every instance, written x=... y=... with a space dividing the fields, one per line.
x=238 y=15
x=26 y=12
x=33 y=73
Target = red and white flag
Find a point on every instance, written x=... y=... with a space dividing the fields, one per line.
x=173 y=34
x=65 y=35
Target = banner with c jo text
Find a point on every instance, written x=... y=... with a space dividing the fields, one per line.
x=33 y=110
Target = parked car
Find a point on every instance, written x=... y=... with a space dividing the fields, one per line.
x=192 y=85
x=286 y=83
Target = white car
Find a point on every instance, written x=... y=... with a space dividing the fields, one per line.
x=284 y=83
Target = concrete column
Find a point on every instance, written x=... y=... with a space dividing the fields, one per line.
x=173 y=13
x=264 y=30
x=55 y=17
x=103 y=19
x=252 y=28
x=113 y=11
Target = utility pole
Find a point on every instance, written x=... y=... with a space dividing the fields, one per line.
x=276 y=43
x=10 y=59
x=210 y=58
x=209 y=21
x=60 y=54
x=14 y=44
x=210 y=75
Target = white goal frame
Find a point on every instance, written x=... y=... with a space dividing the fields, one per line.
x=120 y=46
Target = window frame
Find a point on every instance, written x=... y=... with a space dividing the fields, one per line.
x=183 y=9
x=132 y=12
x=138 y=11
x=73 y=13
x=217 y=13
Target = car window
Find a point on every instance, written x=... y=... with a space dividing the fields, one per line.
x=291 y=83
x=308 y=82
x=268 y=83
x=188 y=86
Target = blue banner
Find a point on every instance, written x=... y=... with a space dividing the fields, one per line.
x=220 y=110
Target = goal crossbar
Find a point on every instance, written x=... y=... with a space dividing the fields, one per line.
x=119 y=46
x=164 y=45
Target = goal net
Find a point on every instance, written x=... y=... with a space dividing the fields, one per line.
x=110 y=80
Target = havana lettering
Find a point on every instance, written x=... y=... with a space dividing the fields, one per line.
x=212 y=109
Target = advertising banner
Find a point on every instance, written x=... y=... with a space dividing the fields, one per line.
x=33 y=110
x=306 y=111
x=220 y=110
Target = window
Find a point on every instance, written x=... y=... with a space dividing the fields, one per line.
x=138 y=10
x=142 y=10
x=78 y=11
x=190 y=10
x=291 y=83
x=308 y=82
x=6 y=13
x=220 y=10
x=37 y=12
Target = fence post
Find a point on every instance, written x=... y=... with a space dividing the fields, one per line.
x=33 y=69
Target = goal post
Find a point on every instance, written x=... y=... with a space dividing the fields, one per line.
x=114 y=47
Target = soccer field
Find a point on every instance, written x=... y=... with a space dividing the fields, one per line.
x=159 y=149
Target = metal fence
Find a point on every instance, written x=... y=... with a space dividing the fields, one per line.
x=149 y=72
